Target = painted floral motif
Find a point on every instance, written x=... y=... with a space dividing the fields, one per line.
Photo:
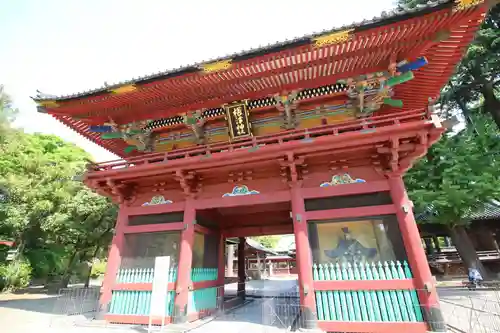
x=240 y=190
x=342 y=179
x=157 y=200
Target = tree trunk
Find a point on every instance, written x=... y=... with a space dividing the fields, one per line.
x=89 y=273
x=466 y=250
x=69 y=270
x=491 y=103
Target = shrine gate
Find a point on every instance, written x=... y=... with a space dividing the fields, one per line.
x=310 y=137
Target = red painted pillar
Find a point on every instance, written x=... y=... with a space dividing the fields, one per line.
x=416 y=255
x=184 y=283
x=114 y=259
x=221 y=272
x=241 y=268
x=303 y=258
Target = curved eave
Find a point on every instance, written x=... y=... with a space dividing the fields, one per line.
x=393 y=16
x=301 y=66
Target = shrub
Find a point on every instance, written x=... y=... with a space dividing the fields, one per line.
x=15 y=275
x=98 y=269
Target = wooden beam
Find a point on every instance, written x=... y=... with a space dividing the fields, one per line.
x=346 y=189
x=137 y=229
x=259 y=231
x=367 y=211
x=244 y=200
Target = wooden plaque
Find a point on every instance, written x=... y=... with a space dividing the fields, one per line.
x=237 y=120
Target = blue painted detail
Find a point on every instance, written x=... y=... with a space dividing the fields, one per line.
x=240 y=190
x=413 y=65
x=342 y=179
x=101 y=129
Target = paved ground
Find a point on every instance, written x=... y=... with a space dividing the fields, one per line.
x=470 y=311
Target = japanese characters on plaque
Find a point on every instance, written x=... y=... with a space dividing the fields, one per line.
x=237 y=120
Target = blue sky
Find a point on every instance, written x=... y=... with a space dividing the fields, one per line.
x=62 y=47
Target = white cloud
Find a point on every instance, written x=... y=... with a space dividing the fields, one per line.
x=62 y=47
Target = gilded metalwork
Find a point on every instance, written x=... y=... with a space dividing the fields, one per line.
x=123 y=89
x=237 y=120
x=334 y=38
x=48 y=104
x=466 y=4
x=217 y=66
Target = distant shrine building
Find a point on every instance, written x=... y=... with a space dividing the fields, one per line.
x=309 y=137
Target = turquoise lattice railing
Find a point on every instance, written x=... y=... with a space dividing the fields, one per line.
x=129 y=302
x=203 y=299
x=141 y=275
x=366 y=305
x=204 y=274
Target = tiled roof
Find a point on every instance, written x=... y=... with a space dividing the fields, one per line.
x=490 y=211
x=384 y=18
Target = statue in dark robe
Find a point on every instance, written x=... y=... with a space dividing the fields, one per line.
x=350 y=249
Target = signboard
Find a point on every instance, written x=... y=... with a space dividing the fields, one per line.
x=159 y=292
x=237 y=120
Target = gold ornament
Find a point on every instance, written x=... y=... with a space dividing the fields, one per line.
x=466 y=4
x=123 y=89
x=333 y=38
x=216 y=66
x=48 y=104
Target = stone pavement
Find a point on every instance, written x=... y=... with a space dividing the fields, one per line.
x=470 y=311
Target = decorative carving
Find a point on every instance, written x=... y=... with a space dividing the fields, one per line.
x=123 y=89
x=333 y=38
x=135 y=134
x=240 y=190
x=466 y=4
x=216 y=66
x=342 y=179
x=195 y=122
x=369 y=92
x=237 y=120
x=287 y=103
x=157 y=200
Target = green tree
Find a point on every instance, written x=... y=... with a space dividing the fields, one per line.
x=457 y=177
x=268 y=241
x=56 y=222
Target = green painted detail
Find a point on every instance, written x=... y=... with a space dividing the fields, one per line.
x=141 y=275
x=393 y=102
x=111 y=135
x=130 y=302
x=366 y=305
x=407 y=76
x=252 y=149
x=130 y=149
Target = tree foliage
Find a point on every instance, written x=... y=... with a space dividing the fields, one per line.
x=268 y=241
x=475 y=86
x=57 y=223
x=458 y=176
